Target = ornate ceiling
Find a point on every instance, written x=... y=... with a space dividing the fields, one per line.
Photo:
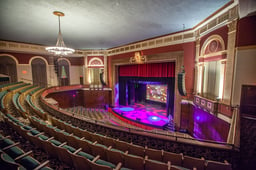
x=100 y=24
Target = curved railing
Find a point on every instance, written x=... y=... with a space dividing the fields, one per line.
x=160 y=134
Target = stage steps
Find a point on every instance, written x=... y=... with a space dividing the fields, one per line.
x=170 y=126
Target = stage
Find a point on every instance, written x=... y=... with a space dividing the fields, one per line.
x=146 y=115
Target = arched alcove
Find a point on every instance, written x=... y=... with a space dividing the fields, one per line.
x=63 y=69
x=39 y=74
x=95 y=68
x=212 y=68
x=8 y=67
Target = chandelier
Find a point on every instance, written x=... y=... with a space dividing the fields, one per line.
x=60 y=48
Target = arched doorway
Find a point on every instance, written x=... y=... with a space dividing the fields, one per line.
x=39 y=74
x=8 y=67
x=64 y=77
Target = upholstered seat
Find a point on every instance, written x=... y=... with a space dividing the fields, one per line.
x=115 y=156
x=123 y=146
x=174 y=158
x=192 y=162
x=133 y=162
x=99 y=149
x=80 y=162
x=136 y=150
x=212 y=165
x=154 y=154
x=153 y=165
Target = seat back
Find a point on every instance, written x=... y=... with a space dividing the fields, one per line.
x=174 y=158
x=95 y=166
x=154 y=154
x=115 y=156
x=192 y=162
x=79 y=162
x=153 y=165
x=212 y=165
x=136 y=150
x=133 y=162
x=64 y=156
x=123 y=146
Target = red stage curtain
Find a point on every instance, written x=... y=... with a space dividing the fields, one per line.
x=148 y=70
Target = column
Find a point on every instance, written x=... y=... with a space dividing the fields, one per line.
x=229 y=73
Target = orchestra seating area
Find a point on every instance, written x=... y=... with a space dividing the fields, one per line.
x=35 y=136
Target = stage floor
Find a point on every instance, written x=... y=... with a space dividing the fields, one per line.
x=147 y=114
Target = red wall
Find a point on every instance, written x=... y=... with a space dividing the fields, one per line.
x=246 y=31
x=24 y=58
x=189 y=57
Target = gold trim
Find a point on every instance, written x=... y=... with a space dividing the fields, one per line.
x=248 y=47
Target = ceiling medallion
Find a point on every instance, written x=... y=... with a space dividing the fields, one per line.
x=60 y=49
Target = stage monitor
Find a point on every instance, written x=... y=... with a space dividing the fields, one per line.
x=156 y=92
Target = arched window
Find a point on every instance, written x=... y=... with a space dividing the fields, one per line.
x=8 y=67
x=211 y=68
x=39 y=74
x=64 y=77
x=95 y=66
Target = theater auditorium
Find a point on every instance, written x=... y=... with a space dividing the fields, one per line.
x=138 y=84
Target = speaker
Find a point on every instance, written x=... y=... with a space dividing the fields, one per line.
x=101 y=79
x=181 y=84
x=56 y=66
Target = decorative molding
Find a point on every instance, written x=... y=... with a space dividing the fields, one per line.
x=232 y=26
x=95 y=62
x=138 y=58
x=218 y=20
x=11 y=56
x=67 y=60
x=40 y=57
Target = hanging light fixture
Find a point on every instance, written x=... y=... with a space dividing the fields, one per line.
x=60 y=49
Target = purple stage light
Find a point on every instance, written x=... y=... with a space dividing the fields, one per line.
x=145 y=113
x=126 y=109
x=155 y=118
x=197 y=117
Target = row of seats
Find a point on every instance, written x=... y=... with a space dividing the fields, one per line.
x=92 y=113
x=34 y=109
x=125 y=152
x=107 y=153
x=2 y=94
x=58 y=149
x=4 y=87
x=155 y=155
x=21 y=85
x=13 y=157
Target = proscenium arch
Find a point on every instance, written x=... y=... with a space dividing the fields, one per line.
x=209 y=40
x=39 y=71
x=10 y=67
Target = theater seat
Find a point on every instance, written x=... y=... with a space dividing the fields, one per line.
x=192 y=162
x=133 y=161
x=80 y=162
x=136 y=150
x=212 y=165
x=115 y=156
x=153 y=165
x=153 y=154
x=174 y=158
